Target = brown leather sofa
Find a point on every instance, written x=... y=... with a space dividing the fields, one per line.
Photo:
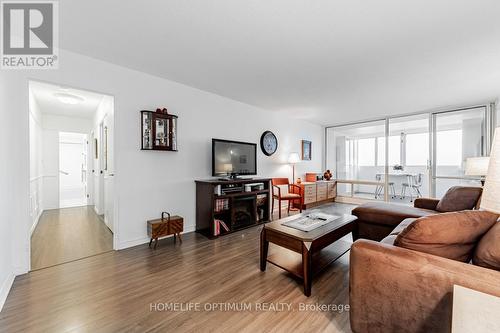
x=376 y=220
x=393 y=289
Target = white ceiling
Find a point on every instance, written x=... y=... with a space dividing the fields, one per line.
x=50 y=104
x=328 y=61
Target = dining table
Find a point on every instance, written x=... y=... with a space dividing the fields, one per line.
x=404 y=176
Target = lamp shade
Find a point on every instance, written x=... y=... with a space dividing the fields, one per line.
x=293 y=158
x=476 y=166
x=491 y=192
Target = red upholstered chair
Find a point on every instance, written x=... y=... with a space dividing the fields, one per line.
x=293 y=192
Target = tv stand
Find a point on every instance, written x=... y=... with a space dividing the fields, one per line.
x=224 y=206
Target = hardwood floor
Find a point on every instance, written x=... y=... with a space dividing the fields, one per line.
x=115 y=291
x=68 y=234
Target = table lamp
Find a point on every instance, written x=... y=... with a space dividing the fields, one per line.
x=491 y=191
x=477 y=166
x=293 y=159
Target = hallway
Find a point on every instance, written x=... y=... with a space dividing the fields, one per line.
x=68 y=234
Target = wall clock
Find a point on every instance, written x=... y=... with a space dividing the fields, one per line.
x=268 y=143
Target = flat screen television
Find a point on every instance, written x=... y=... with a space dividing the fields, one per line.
x=233 y=158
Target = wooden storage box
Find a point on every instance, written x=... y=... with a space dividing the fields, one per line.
x=165 y=227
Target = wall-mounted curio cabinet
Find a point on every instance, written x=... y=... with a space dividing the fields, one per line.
x=159 y=130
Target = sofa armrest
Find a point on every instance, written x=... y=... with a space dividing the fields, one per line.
x=393 y=289
x=426 y=203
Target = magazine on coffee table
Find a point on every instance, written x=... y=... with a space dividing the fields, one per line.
x=311 y=221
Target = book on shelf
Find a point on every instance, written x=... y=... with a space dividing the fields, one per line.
x=217 y=225
x=221 y=205
x=224 y=225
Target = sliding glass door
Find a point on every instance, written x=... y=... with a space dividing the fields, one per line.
x=356 y=157
x=458 y=135
x=401 y=158
x=409 y=172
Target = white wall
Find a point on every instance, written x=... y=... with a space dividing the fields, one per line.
x=66 y=124
x=7 y=200
x=146 y=183
x=50 y=155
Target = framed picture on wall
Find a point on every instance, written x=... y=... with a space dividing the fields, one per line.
x=306 y=150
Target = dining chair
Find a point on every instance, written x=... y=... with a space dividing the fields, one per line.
x=283 y=190
x=379 y=188
x=414 y=184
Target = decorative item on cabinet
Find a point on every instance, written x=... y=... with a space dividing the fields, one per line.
x=311 y=177
x=299 y=180
x=314 y=177
x=158 y=130
x=327 y=175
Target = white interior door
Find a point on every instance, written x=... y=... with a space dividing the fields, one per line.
x=72 y=170
x=100 y=164
x=104 y=164
x=108 y=172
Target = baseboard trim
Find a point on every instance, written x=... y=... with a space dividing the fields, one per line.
x=131 y=243
x=33 y=227
x=5 y=289
x=135 y=242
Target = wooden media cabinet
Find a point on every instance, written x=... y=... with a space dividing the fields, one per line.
x=226 y=206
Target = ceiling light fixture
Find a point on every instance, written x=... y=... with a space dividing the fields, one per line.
x=69 y=98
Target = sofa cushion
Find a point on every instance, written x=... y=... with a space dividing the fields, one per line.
x=394 y=233
x=389 y=240
x=487 y=253
x=402 y=226
x=459 y=198
x=449 y=235
x=388 y=213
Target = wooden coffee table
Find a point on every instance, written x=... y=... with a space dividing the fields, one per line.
x=302 y=253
